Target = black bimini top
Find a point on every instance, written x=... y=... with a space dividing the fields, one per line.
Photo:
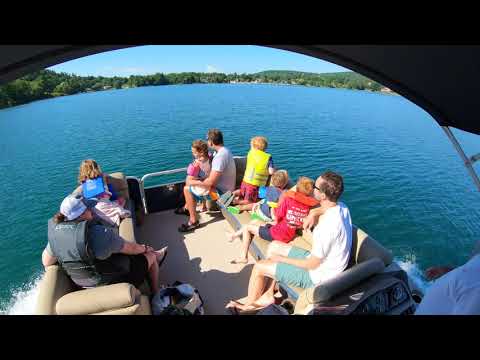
x=441 y=79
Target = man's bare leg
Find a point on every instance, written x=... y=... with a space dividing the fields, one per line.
x=190 y=204
x=153 y=270
x=262 y=270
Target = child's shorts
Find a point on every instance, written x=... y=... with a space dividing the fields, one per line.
x=200 y=193
x=249 y=192
x=264 y=232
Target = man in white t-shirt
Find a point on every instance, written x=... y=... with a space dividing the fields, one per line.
x=222 y=177
x=456 y=292
x=331 y=247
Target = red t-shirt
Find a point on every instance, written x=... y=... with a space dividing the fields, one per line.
x=290 y=214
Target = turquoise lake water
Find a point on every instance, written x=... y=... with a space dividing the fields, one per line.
x=404 y=183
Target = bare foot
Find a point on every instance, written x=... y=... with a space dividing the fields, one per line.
x=239 y=261
x=265 y=300
x=231 y=237
x=241 y=306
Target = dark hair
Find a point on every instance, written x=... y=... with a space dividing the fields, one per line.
x=59 y=217
x=215 y=136
x=332 y=185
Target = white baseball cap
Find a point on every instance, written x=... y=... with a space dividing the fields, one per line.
x=72 y=207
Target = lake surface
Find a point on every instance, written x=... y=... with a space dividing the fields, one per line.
x=404 y=183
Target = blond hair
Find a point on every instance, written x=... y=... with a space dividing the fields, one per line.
x=259 y=143
x=279 y=179
x=201 y=147
x=89 y=169
x=305 y=185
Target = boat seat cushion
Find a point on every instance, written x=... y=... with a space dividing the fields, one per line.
x=126 y=230
x=345 y=280
x=364 y=247
x=97 y=300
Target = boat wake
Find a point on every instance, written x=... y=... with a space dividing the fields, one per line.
x=415 y=274
x=24 y=299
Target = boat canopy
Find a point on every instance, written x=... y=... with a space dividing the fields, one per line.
x=441 y=79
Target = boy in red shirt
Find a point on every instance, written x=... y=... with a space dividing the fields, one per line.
x=293 y=208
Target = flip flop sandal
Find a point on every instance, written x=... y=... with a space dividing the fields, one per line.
x=189 y=227
x=237 y=311
x=233 y=311
x=163 y=259
x=182 y=211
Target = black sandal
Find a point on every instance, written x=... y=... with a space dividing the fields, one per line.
x=182 y=211
x=189 y=227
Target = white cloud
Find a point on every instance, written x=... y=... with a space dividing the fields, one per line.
x=213 y=69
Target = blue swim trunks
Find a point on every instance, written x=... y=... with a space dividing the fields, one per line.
x=293 y=275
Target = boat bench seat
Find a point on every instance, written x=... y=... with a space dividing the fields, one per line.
x=58 y=295
x=368 y=258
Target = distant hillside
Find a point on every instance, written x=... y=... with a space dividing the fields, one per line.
x=346 y=79
x=46 y=83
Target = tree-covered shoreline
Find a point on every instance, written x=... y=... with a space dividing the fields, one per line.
x=46 y=84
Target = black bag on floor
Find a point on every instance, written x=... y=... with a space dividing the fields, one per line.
x=178 y=299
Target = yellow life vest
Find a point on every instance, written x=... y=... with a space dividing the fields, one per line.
x=256 y=171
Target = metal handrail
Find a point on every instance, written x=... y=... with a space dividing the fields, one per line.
x=466 y=161
x=151 y=175
x=161 y=173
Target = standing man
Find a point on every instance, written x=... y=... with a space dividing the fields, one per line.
x=329 y=256
x=222 y=178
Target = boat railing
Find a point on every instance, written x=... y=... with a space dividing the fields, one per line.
x=141 y=181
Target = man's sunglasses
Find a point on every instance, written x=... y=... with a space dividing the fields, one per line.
x=315 y=187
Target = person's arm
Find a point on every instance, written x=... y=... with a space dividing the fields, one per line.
x=271 y=167
x=437 y=271
x=311 y=219
x=308 y=264
x=209 y=182
x=189 y=180
x=48 y=259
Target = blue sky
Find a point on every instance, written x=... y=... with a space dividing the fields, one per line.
x=151 y=59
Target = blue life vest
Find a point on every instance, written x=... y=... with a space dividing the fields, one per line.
x=93 y=187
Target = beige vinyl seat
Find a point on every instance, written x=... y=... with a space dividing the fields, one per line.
x=368 y=257
x=58 y=295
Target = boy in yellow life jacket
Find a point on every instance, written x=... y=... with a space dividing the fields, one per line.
x=259 y=167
